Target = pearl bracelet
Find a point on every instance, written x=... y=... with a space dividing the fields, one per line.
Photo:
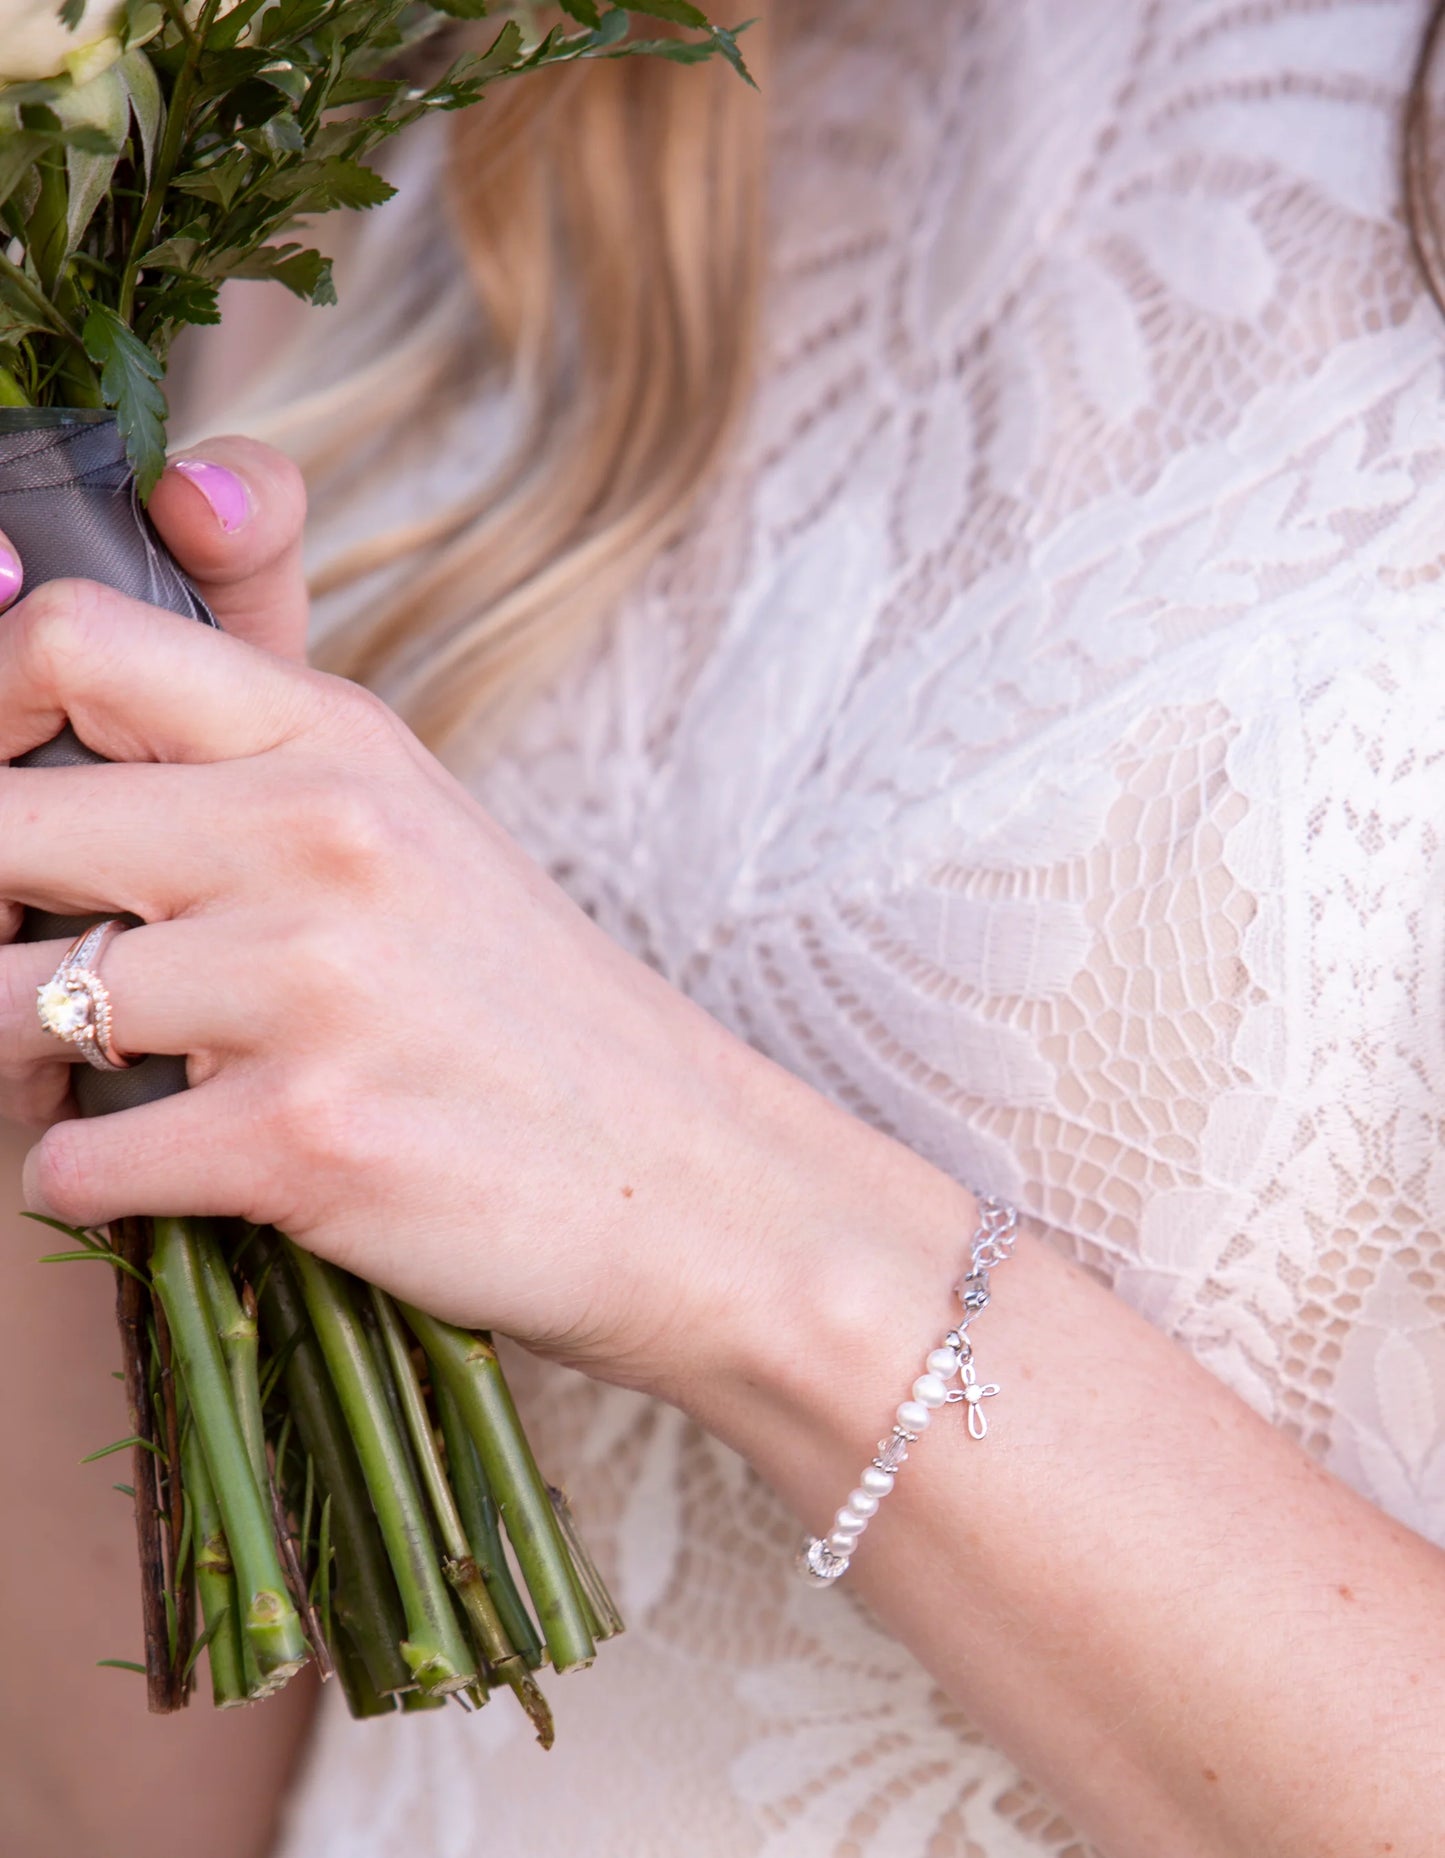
x=822 y=1559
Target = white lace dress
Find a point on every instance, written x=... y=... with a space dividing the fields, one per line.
x=1039 y=745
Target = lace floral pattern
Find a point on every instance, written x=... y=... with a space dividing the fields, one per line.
x=1039 y=745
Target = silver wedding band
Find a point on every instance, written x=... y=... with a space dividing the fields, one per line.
x=74 y=1004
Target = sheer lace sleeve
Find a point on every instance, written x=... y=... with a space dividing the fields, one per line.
x=1196 y=996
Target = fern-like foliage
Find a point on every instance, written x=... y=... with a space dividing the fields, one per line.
x=201 y=153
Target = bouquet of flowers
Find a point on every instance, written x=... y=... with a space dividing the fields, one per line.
x=319 y=1472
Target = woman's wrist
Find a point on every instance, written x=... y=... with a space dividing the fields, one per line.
x=855 y=1247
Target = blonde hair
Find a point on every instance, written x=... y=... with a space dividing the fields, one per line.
x=608 y=220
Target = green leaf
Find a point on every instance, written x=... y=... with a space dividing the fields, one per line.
x=323 y=1569
x=177 y=253
x=278 y=135
x=674 y=51
x=502 y=51
x=130 y=382
x=119 y=1664
x=290 y=19
x=16 y=325
x=184 y=298
x=220 y=183
x=188 y=1524
x=348 y=90
x=227 y=30
x=286 y=77
x=478 y=9
x=102 y=107
x=82 y=1234
x=89 y=141
x=126 y=1490
x=307 y=1500
x=679 y=12
x=147 y=105
x=121 y=1445
x=172 y=1623
x=583 y=11
x=143 y=20
x=611 y=29
x=350 y=183
x=19 y=151
x=204 y=1639
x=306 y=273
x=727 y=43
x=93 y=1248
x=37 y=90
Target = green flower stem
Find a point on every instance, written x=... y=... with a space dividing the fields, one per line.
x=134 y=1319
x=413 y=1415
x=215 y=1577
x=602 y=1614
x=488 y=1631
x=269 y=1622
x=434 y=1648
x=469 y=1366
x=479 y=1516
x=167 y=1395
x=362 y=1697
x=178 y=111
x=236 y=1332
x=365 y=1600
x=240 y=1345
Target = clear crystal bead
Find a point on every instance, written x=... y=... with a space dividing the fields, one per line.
x=891 y=1452
x=818 y=1564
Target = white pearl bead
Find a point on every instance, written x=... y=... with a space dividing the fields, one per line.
x=877 y=1483
x=842 y=1544
x=863 y=1503
x=913 y=1416
x=943 y=1362
x=928 y=1390
x=846 y=1522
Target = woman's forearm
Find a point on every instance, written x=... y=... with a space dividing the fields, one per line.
x=1198 y=1641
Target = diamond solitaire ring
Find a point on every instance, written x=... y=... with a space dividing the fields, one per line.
x=74 y=1005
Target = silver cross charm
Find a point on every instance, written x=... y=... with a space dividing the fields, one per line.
x=972 y=1393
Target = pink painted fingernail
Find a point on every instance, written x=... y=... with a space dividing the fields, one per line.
x=11 y=575
x=221 y=488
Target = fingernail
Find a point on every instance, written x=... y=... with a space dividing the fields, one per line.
x=222 y=489
x=11 y=575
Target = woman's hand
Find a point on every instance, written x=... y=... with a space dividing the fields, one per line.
x=407 y=1048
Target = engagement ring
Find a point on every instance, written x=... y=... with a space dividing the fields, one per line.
x=74 y=1004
